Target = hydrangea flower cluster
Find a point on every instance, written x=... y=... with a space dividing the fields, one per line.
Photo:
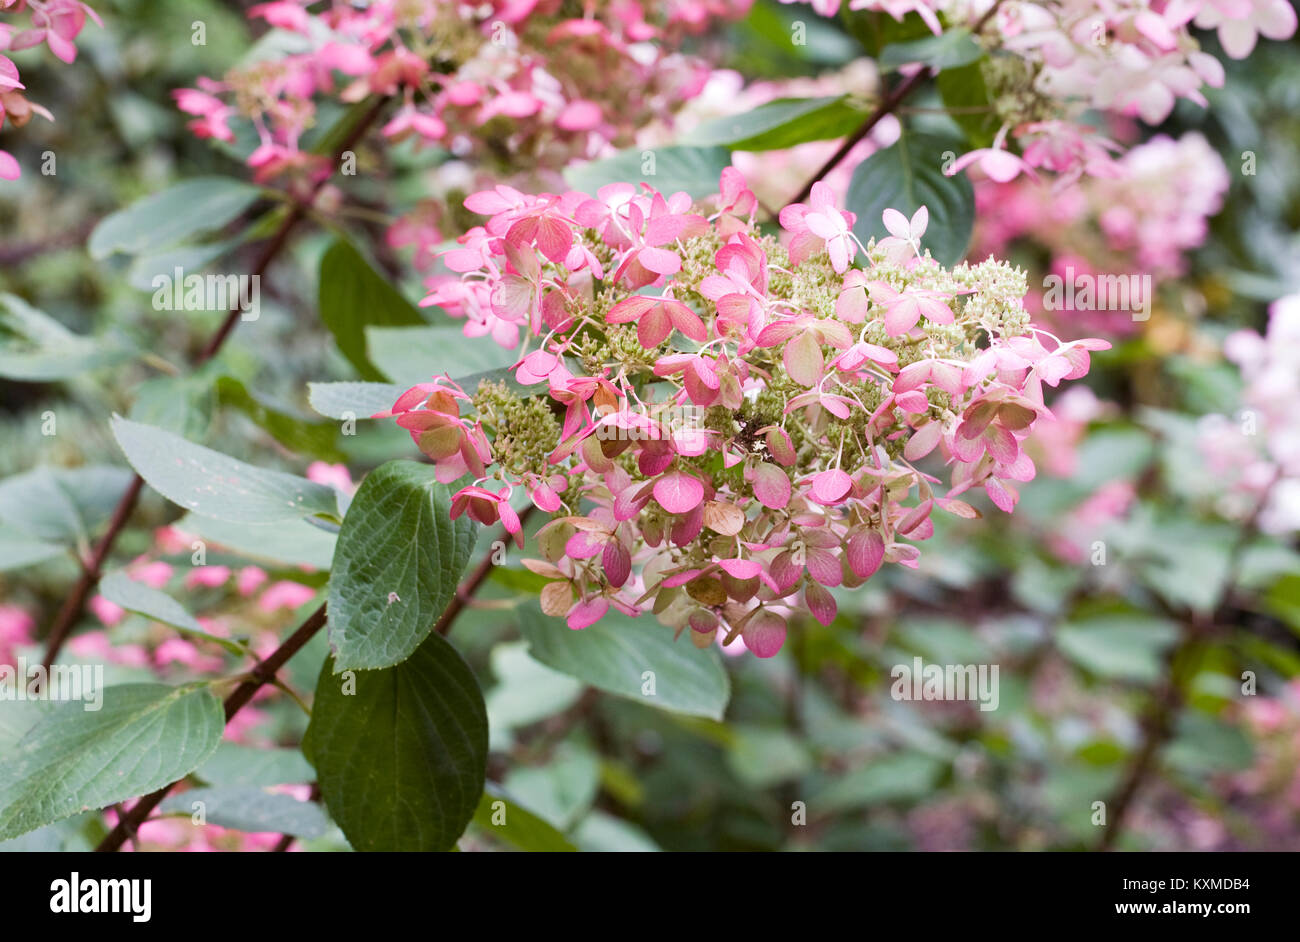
x=1256 y=454
x=525 y=83
x=54 y=23
x=729 y=427
x=1151 y=214
x=1127 y=57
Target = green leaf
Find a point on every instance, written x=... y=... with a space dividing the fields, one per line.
x=316 y=439
x=180 y=404
x=61 y=505
x=903 y=777
x=352 y=296
x=1123 y=646
x=615 y=653
x=875 y=29
x=526 y=691
x=905 y=177
x=603 y=833
x=250 y=808
x=763 y=757
x=668 y=169
x=144 y=736
x=398 y=561
x=34 y=347
x=121 y=589
x=17 y=549
x=212 y=484
x=1204 y=745
x=951 y=49
x=966 y=97
x=561 y=791
x=761 y=44
x=288 y=542
x=410 y=355
x=471 y=382
x=234 y=764
x=783 y=123
x=163 y=219
x=145 y=270
x=401 y=761
x=352 y=400
x=504 y=818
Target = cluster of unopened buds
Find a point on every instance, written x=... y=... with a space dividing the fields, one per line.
x=725 y=428
x=525 y=82
x=1050 y=62
x=54 y=23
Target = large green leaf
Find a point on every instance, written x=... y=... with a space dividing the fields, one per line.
x=905 y=177
x=615 y=654
x=250 y=808
x=143 y=737
x=162 y=219
x=212 y=484
x=398 y=560
x=668 y=169
x=352 y=296
x=783 y=123
x=401 y=760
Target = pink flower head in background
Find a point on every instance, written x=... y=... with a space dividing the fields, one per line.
x=52 y=23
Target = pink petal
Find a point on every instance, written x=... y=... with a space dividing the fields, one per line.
x=587 y=613
x=866 y=551
x=771 y=486
x=830 y=487
x=764 y=634
x=678 y=493
x=820 y=602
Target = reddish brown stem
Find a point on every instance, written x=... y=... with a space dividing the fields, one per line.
x=261 y=674
x=890 y=102
x=470 y=586
x=887 y=106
